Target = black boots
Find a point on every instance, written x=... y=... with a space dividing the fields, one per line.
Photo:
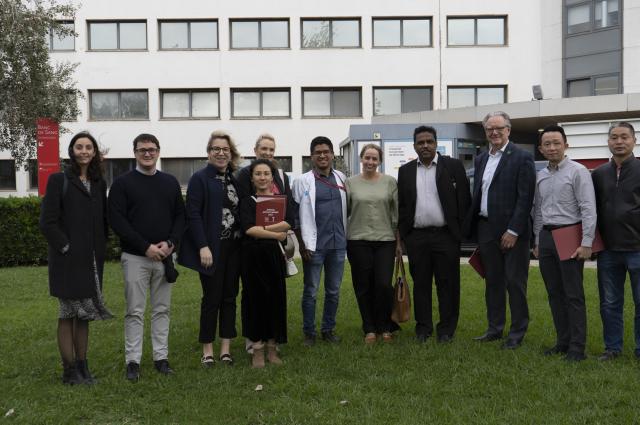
x=77 y=373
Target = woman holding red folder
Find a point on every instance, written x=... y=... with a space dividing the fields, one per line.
x=263 y=270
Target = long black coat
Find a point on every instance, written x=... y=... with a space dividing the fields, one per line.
x=79 y=219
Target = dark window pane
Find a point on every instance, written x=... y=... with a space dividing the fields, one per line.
x=346 y=103
x=7 y=174
x=606 y=85
x=134 y=105
x=33 y=173
x=414 y=100
x=182 y=168
x=307 y=165
x=284 y=162
x=578 y=88
x=116 y=167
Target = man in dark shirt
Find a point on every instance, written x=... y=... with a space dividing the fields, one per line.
x=321 y=196
x=617 y=187
x=146 y=211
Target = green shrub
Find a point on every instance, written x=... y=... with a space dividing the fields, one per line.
x=21 y=242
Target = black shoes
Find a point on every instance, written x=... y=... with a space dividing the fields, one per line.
x=488 y=337
x=71 y=376
x=444 y=339
x=309 y=340
x=511 y=344
x=83 y=370
x=422 y=338
x=330 y=336
x=556 y=349
x=163 y=367
x=608 y=355
x=574 y=356
x=133 y=371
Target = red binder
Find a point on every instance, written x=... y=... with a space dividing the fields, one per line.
x=568 y=239
x=476 y=262
x=270 y=209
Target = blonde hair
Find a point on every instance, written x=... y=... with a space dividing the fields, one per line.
x=371 y=146
x=262 y=137
x=235 y=155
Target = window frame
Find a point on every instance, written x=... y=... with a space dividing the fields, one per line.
x=118 y=22
x=259 y=90
x=51 y=34
x=402 y=89
x=401 y=19
x=592 y=80
x=331 y=21
x=119 y=91
x=190 y=92
x=259 y=21
x=476 y=18
x=15 y=182
x=592 y=18
x=188 y=22
x=331 y=91
x=475 y=92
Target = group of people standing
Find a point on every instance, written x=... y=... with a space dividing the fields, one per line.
x=368 y=218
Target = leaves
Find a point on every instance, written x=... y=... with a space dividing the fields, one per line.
x=31 y=86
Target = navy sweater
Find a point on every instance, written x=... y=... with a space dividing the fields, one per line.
x=145 y=210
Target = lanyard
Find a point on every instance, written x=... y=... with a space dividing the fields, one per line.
x=328 y=183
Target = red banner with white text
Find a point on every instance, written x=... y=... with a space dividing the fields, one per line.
x=48 y=138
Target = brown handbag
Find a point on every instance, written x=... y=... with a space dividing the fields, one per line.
x=401 y=311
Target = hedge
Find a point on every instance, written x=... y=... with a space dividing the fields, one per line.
x=21 y=243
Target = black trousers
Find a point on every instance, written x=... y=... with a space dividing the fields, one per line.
x=563 y=280
x=506 y=272
x=435 y=252
x=371 y=272
x=219 y=293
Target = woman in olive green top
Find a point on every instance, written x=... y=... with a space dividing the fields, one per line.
x=372 y=242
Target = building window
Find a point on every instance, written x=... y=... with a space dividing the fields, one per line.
x=477 y=31
x=189 y=104
x=284 y=162
x=185 y=35
x=260 y=103
x=330 y=33
x=594 y=86
x=260 y=34
x=460 y=97
x=118 y=105
x=124 y=35
x=114 y=168
x=7 y=174
x=331 y=102
x=32 y=169
x=182 y=168
x=62 y=42
x=584 y=16
x=398 y=100
x=401 y=32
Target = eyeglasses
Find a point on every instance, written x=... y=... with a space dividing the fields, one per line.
x=218 y=149
x=144 y=151
x=490 y=130
x=325 y=153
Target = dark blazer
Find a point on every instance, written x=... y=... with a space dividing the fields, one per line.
x=204 y=219
x=510 y=194
x=453 y=191
x=77 y=218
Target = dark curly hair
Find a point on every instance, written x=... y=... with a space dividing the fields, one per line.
x=94 y=171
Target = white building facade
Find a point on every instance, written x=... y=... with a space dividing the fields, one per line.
x=299 y=69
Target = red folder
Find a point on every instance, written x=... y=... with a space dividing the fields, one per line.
x=476 y=262
x=270 y=209
x=568 y=239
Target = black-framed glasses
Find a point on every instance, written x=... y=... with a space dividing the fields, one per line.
x=218 y=149
x=150 y=151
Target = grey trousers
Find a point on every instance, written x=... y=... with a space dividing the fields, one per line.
x=142 y=274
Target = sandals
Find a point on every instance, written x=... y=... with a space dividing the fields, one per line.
x=370 y=338
x=207 y=361
x=226 y=359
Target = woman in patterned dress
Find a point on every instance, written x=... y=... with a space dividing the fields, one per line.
x=211 y=244
x=73 y=220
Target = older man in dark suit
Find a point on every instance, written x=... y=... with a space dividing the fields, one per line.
x=433 y=198
x=500 y=218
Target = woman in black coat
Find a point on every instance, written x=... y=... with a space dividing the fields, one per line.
x=73 y=220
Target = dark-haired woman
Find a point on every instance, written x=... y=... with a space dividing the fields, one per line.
x=263 y=270
x=73 y=220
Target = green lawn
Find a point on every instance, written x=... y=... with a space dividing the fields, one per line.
x=400 y=383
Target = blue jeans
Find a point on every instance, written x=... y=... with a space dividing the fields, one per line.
x=612 y=271
x=333 y=262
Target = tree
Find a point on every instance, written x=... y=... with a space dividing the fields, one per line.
x=30 y=86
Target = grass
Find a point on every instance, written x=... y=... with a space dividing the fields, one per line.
x=399 y=383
